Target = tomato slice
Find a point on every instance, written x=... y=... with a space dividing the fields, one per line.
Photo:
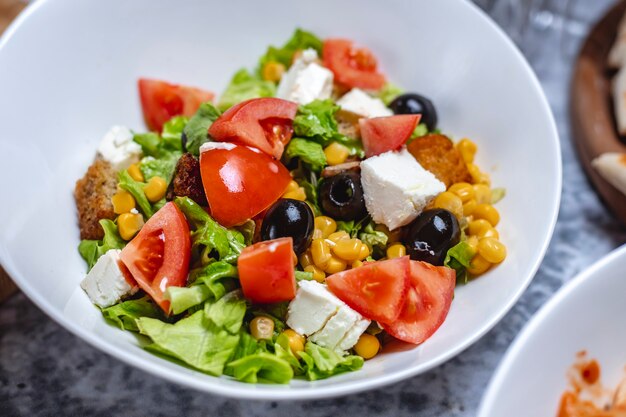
x=382 y=134
x=240 y=182
x=352 y=67
x=427 y=303
x=376 y=290
x=266 y=271
x=158 y=257
x=161 y=101
x=264 y=123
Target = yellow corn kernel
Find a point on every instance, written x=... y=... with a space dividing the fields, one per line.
x=397 y=250
x=472 y=241
x=364 y=252
x=468 y=208
x=273 y=71
x=467 y=149
x=487 y=212
x=320 y=252
x=347 y=249
x=306 y=259
x=482 y=193
x=292 y=186
x=135 y=172
x=155 y=189
x=128 y=224
x=336 y=153
x=337 y=236
x=262 y=327
x=492 y=249
x=123 y=202
x=317 y=234
x=296 y=341
x=356 y=264
x=451 y=202
x=298 y=194
x=478 y=265
x=335 y=265
x=326 y=225
x=489 y=233
x=478 y=177
x=463 y=190
x=477 y=227
x=318 y=274
x=367 y=347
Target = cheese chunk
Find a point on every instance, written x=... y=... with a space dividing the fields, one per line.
x=118 y=148
x=352 y=336
x=306 y=80
x=360 y=103
x=397 y=188
x=106 y=284
x=336 y=328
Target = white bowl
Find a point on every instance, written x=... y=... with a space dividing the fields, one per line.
x=586 y=314
x=68 y=72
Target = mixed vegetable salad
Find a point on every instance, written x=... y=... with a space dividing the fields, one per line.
x=290 y=228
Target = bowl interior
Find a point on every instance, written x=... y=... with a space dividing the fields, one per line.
x=68 y=72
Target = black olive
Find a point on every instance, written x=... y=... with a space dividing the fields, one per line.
x=183 y=141
x=341 y=196
x=411 y=103
x=430 y=235
x=289 y=218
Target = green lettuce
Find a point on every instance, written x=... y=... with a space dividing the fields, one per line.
x=459 y=258
x=323 y=363
x=135 y=188
x=304 y=276
x=227 y=312
x=163 y=167
x=92 y=250
x=497 y=194
x=244 y=86
x=283 y=351
x=125 y=314
x=247 y=230
x=389 y=92
x=374 y=239
x=161 y=152
x=309 y=152
x=420 y=130
x=353 y=227
x=261 y=367
x=300 y=40
x=196 y=130
x=183 y=298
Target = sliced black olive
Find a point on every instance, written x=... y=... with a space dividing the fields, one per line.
x=341 y=196
x=411 y=103
x=430 y=235
x=289 y=218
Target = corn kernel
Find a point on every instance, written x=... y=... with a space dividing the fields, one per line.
x=306 y=259
x=318 y=274
x=468 y=208
x=262 y=327
x=135 y=173
x=356 y=264
x=472 y=241
x=477 y=227
x=335 y=265
x=367 y=347
x=273 y=71
x=292 y=186
x=298 y=194
x=491 y=249
x=467 y=149
x=326 y=225
x=463 y=190
x=337 y=236
x=336 y=153
x=317 y=234
x=155 y=189
x=123 y=202
x=478 y=265
x=478 y=177
x=128 y=224
x=487 y=212
x=451 y=202
x=320 y=252
x=482 y=193
x=296 y=341
x=364 y=252
x=397 y=250
x=347 y=249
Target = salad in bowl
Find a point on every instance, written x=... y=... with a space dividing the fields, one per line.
x=289 y=228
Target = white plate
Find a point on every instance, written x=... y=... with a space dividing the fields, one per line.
x=68 y=71
x=586 y=314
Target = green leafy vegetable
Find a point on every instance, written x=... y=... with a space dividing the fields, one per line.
x=215 y=277
x=283 y=351
x=374 y=239
x=309 y=152
x=197 y=128
x=304 y=276
x=244 y=86
x=150 y=143
x=389 y=92
x=172 y=133
x=300 y=40
x=247 y=231
x=92 y=250
x=163 y=167
x=228 y=311
x=420 y=130
x=183 y=298
x=125 y=314
x=353 y=227
x=497 y=194
x=322 y=362
x=136 y=189
x=248 y=345
x=459 y=258
x=261 y=367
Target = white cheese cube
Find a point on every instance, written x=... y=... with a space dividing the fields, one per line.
x=397 y=188
x=352 y=336
x=306 y=80
x=336 y=328
x=118 y=148
x=313 y=306
x=359 y=102
x=106 y=284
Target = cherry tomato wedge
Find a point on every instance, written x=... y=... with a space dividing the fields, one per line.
x=266 y=271
x=427 y=303
x=264 y=123
x=158 y=257
x=382 y=134
x=161 y=101
x=240 y=182
x=352 y=67
x=376 y=290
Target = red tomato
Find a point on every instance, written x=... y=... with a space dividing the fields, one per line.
x=376 y=290
x=241 y=182
x=158 y=257
x=352 y=67
x=427 y=303
x=266 y=271
x=161 y=101
x=382 y=134
x=264 y=123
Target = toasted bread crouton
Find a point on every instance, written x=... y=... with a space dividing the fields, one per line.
x=437 y=154
x=93 y=195
x=186 y=181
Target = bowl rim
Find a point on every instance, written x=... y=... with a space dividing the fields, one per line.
x=265 y=392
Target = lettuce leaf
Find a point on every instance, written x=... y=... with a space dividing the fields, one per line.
x=459 y=258
x=228 y=311
x=196 y=130
x=125 y=314
x=374 y=239
x=261 y=367
x=92 y=250
x=300 y=40
x=389 y=92
x=127 y=182
x=308 y=151
x=157 y=146
x=420 y=130
x=163 y=167
x=215 y=277
x=497 y=194
x=244 y=86
x=323 y=363
x=183 y=298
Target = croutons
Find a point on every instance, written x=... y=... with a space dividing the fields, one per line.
x=93 y=195
x=186 y=181
x=437 y=154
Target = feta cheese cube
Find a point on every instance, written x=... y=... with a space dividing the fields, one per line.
x=359 y=102
x=306 y=80
x=118 y=148
x=352 y=336
x=336 y=328
x=106 y=284
x=397 y=188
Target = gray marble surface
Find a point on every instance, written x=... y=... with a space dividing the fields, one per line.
x=46 y=371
